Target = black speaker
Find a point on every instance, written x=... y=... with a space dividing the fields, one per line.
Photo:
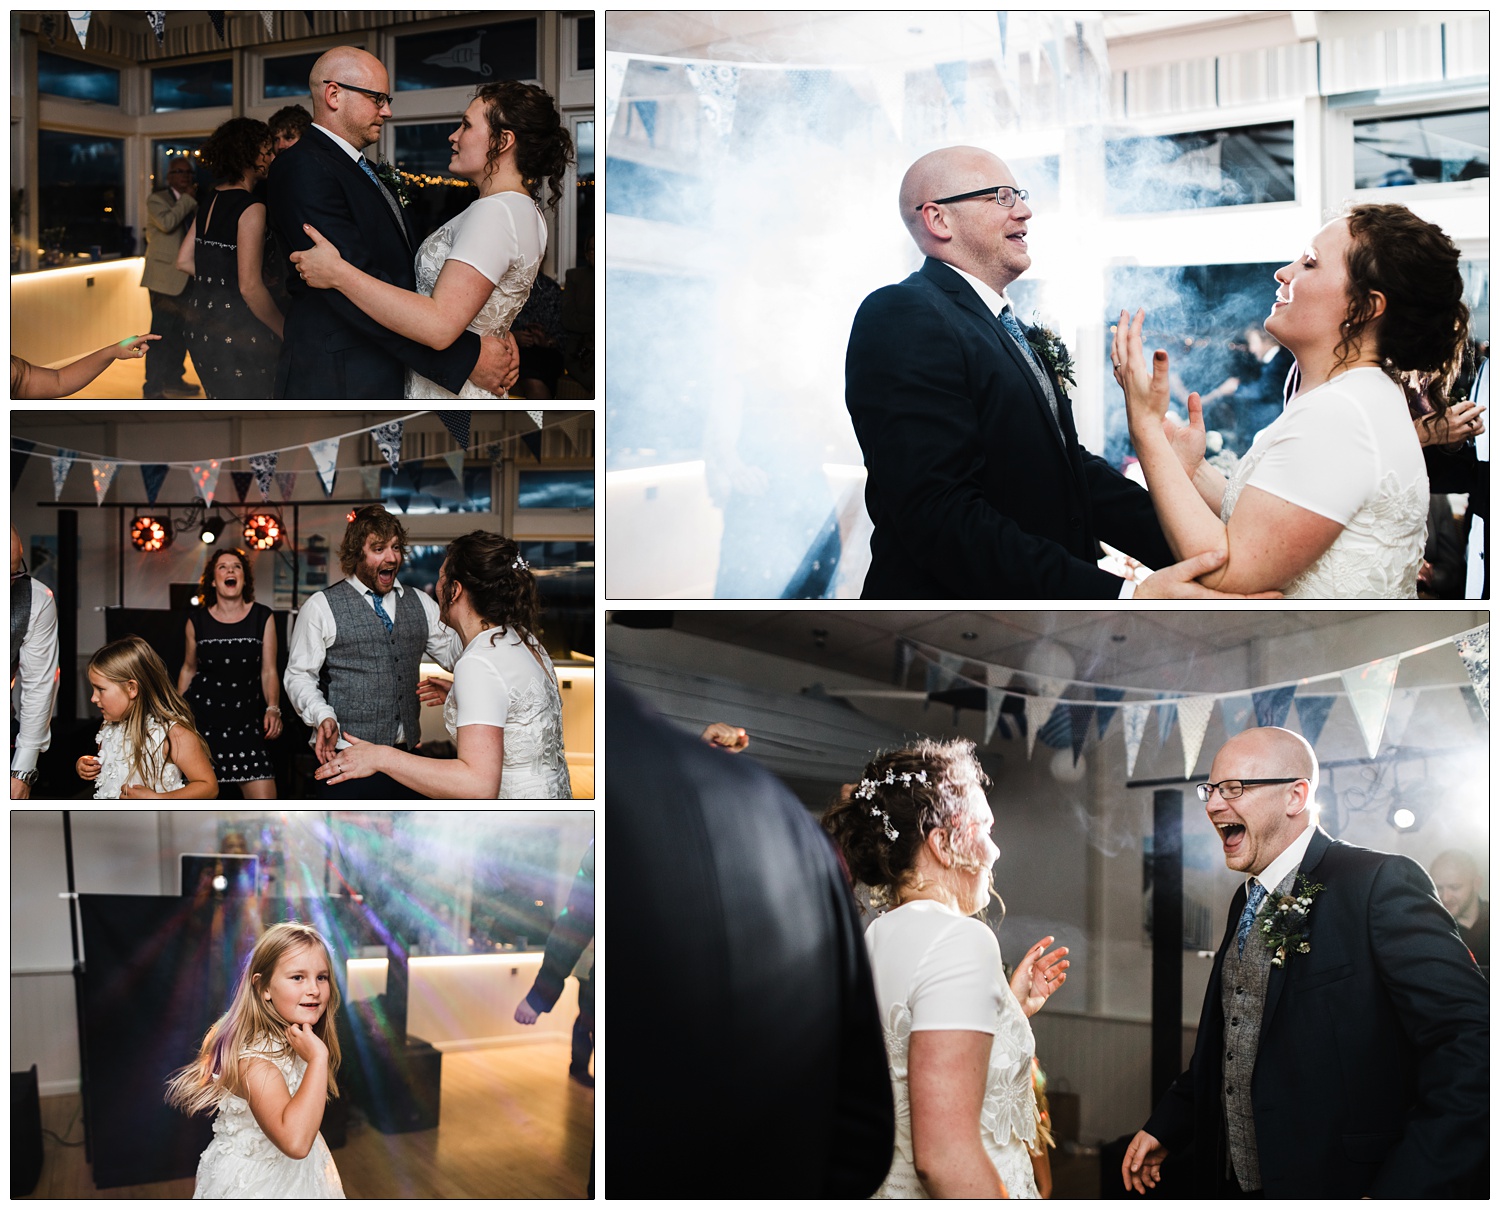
x=25 y=1133
x=398 y=1085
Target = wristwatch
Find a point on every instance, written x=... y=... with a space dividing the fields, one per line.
x=29 y=777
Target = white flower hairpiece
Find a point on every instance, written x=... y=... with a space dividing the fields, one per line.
x=520 y=564
x=866 y=790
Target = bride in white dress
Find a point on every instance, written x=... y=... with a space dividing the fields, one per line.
x=504 y=709
x=476 y=270
x=916 y=830
x=1331 y=499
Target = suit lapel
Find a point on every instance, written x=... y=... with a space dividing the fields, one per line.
x=361 y=181
x=1316 y=847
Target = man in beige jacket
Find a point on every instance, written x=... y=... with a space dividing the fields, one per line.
x=169 y=213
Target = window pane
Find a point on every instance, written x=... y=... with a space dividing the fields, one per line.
x=422 y=151
x=429 y=487
x=1039 y=178
x=202 y=85
x=287 y=75
x=1236 y=167
x=60 y=76
x=163 y=150
x=459 y=58
x=1423 y=150
x=81 y=195
x=585 y=44
x=584 y=189
x=555 y=489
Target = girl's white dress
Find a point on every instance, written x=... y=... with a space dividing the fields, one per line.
x=498 y=682
x=503 y=236
x=935 y=969
x=242 y=1162
x=116 y=756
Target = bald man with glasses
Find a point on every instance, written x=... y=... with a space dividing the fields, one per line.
x=332 y=349
x=977 y=483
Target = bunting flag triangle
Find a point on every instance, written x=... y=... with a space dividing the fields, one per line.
x=536 y=417
x=1134 y=715
x=153 y=475
x=1403 y=702
x=20 y=455
x=1166 y=716
x=263 y=466
x=1038 y=710
x=1193 y=715
x=1474 y=649
x=1273 y=705
x=533 y=442
x=157 y=17
x=242 y=481
x=1236 y=712
x=457 y=424
x=370 y=477
x=1312 y=713
x=269 y=17
x=1079 y=716
x=942 y=672
x=286 y=484
x=992 y=700
x=1369 y=687
x=388 y=438
x=216 y=16
x=62 y=463
x=1057 y=731
x=104 y=474
x=455 y=461
x=325 y=456
x=206 y=479
x=416 y=472
x=80 y=19
x=1477 y=713
x=1106 y=714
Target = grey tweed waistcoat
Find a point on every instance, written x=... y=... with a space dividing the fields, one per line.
x=20 y=619
x=1244 y=980
x=369 y=676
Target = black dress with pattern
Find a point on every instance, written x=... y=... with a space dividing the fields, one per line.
x=234 y=353
x=225 y=693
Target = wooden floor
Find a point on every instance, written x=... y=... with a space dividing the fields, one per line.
x=512 y=1125
x=126 y=379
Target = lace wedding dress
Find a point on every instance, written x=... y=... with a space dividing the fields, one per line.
x=242 y=1162
x=1347 y=450
x=504 y=237
x=933 y=966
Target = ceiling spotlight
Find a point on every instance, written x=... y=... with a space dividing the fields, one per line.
x=148 y=534
x=263 y=531
x=1403 y=819
x=211 y=531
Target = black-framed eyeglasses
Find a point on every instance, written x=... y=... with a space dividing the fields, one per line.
x=1004 y=195
x=1232 y=789
x=381 y=99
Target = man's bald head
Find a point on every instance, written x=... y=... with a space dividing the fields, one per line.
x=1456 y=876
x=1257 y=826
x=350 y=114
x=989 y=243
x=1278 y=748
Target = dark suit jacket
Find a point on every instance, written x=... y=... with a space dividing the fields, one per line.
x=746 y=1057
x=972 y=489
x=570 y=936
x=1372 y=1076
x=333 y=350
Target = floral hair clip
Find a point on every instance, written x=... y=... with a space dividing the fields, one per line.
x=520 y=564
x=885 y=822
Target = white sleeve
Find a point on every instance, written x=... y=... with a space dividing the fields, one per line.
x=480 y=691
x=312 y=635
x=1323 y=458
x=495 y=233
x=37 y=680
x=443 y=645
x=960 y=981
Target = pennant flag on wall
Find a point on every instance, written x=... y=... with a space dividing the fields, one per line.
x=1403 y=702
x=1474 y=649
x=325 y=456
x=206 y=479
x=388 y=438
x=457 y=424
x=1369 y=687
x=536 y=417
x=1166 y=717
x=62 y=463
x=80 y=19
x=153 y=475
x=1193 y=715
x=286 y=482
x=1079 y=716
x=158 y=20
x=455 y=461
x=1106 y=714
x=263 y=466
x=1273 y=705
x=104 y=474
x=1312 y=713
x=1236 y=713
x=1038 y=710
x=242 y=481
x=1135 y=714
x=20 y=451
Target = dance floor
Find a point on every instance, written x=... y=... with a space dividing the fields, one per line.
x=125 y=379
x=512 y=1125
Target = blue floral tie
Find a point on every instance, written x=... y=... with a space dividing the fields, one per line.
x=1247 y=917
x=1012 y=325
x=380 y=612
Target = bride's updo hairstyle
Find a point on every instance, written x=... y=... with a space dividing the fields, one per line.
x=1422 y=332
x=903 y=797
x=500 y=583
x=543 y=147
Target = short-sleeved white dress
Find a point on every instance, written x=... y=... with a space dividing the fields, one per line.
x=503 y=236
x=116 y=757
x=935 y=969
x=1347 y=451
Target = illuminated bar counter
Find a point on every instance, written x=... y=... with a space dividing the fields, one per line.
x=58 y=315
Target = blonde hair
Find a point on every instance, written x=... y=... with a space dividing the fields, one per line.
x=215 y=1073
x=133 y=659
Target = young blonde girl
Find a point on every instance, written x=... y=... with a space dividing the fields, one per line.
x=267 y=1067
x=149 y=746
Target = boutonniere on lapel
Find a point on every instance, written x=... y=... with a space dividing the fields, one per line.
x=1051 y=352
x=392 y=179
x=1283 y=921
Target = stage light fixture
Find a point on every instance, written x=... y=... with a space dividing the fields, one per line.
x=263 y=531
x=148 y=534
x=211 y=531
x=1403 y=819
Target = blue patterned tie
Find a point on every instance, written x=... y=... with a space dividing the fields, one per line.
x=385 y=193
x=1247 y=917
x=380 y=612
x=1012 y=325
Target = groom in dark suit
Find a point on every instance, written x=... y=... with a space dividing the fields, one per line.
x=332 y=349
x=1343 y=1054
x=978 y=486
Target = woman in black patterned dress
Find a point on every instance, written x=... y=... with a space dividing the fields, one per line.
x=229 y=675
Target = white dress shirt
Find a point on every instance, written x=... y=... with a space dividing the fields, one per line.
x=315 y=632
x=343 y=144
x=34 y=691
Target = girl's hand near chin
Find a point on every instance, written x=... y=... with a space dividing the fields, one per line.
x=305 y=1042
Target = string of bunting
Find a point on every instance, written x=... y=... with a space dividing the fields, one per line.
x=266 y=469
x=1054 y=710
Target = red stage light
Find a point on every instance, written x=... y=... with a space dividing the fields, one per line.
x=263 y=531
x=148 y=534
